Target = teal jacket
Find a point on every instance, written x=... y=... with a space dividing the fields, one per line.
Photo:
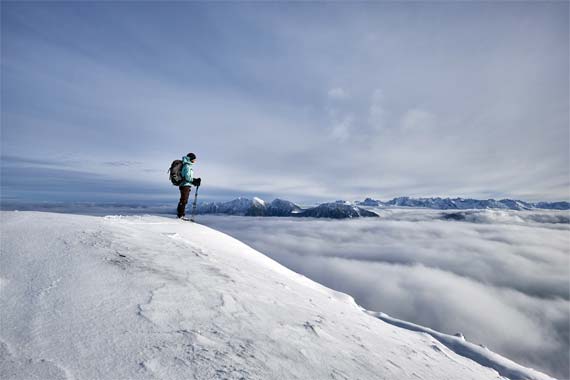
x=187 y=172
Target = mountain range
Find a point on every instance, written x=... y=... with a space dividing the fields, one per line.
x=280 y=207
x=464 y=203
x=345 y=209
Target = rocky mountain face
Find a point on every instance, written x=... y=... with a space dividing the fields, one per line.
x=336 y=210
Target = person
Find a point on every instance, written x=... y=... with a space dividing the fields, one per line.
x=185 y=187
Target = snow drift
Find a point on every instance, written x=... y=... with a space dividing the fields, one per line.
x=152 y=297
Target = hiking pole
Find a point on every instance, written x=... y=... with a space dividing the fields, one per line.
x=194 y=204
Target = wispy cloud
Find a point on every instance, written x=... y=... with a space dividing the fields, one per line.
x=334 y=99
x=337 y=93
x=123 y=163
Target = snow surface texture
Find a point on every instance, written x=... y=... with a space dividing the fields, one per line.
x=151 y=297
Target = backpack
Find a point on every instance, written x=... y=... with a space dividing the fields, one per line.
x=176 y=173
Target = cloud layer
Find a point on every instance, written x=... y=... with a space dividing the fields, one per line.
x=502 y=280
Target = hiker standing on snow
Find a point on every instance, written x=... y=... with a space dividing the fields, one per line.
x=186 y=185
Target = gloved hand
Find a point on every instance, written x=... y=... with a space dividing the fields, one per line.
x=196 y=181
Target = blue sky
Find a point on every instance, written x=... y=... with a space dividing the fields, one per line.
x=304 y=101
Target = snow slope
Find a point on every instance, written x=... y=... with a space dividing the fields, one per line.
x=151 y=297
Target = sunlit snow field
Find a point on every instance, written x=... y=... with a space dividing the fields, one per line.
x=499 y=277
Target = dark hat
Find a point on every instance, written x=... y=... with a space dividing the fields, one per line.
x=192 y=156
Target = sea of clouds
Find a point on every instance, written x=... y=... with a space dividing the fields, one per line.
x=499 y=277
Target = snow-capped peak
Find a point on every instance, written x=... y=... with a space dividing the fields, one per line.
x=259 y=201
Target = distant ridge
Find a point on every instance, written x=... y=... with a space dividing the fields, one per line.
x=345 y=209
x=464 y=203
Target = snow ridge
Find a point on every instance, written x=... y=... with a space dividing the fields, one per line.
x=151 y=297
x=479 y=354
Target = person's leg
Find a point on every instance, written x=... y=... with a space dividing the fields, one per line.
x=184 y=194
